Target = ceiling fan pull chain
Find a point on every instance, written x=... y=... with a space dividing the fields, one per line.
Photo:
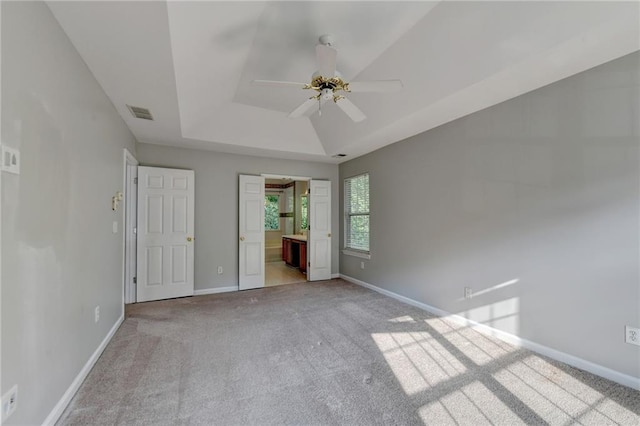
x=319 y=108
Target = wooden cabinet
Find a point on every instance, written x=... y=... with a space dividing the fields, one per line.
x=287 y=256
x=294 y=252
x=303 y=256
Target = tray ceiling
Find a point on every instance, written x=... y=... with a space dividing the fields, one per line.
x=191 y=64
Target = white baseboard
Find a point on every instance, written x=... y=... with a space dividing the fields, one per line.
x=334 y=276
x=215 y=290
x=574 y=361
x=57 y=411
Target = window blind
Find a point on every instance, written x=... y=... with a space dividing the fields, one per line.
x=357 y=212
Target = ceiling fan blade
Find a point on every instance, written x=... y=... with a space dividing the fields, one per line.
x=303 y=108
x=379 y=86
x=350 y=109
x=326 y=59
x=278 y=83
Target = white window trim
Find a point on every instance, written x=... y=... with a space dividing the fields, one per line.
x=354 y=253
x=363 y=254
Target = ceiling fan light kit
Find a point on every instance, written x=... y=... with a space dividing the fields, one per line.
x=327 y=81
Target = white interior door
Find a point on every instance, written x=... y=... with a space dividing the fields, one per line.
x=165 y=233
x=319 y=233
x=251 y=232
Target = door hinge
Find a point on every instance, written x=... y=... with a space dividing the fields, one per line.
x=135 y=280
x=135 y=180
x=135 y=230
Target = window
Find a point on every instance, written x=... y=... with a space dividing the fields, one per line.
x=271 y=212
x=356 y=190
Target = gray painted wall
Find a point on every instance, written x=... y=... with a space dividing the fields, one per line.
x=60 y=257
x=540 y=191
x=216 y=211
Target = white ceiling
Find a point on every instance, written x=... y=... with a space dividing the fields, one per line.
x=192 y=63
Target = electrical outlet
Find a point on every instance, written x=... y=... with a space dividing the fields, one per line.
x=220 y=270
x=468 y=293
x=361 y=265
x=9 y=402
x=632 y=335
x=96 y=314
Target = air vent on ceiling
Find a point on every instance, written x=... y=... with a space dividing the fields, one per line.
x=139 y=112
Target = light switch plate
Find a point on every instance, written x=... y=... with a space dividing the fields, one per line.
x=10 y=160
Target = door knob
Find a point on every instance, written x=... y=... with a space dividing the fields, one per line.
x=329 y=235
x=190 y=239
x=241 y=238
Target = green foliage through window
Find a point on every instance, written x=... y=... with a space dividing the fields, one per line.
x=271 y=212
x=304 y=203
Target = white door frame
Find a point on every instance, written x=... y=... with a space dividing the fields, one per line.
x=272 y=176
x=129 y=218
x=309 y=234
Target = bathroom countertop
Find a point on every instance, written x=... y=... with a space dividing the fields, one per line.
x=296 y=237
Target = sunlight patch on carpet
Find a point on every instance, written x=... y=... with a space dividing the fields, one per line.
x=417 y=360
x=476 y=346
x=472 y=404
x=404 y=318
x=540 y=385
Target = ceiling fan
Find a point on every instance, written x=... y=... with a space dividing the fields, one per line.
x=328 y=82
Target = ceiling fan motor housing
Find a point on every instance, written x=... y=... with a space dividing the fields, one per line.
x=326 y=39
x=320 y=83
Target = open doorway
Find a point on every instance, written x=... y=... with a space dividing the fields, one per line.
x=286 y=225
x=251 y=231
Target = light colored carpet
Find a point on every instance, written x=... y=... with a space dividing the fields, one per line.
x=327 y=353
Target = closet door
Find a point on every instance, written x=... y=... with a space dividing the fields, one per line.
x=319 y=235
x=251 y=232
x=165 y=233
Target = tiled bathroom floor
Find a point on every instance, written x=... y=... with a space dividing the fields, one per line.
x=277 y=273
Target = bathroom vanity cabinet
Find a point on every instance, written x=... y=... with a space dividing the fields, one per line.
x=294 y=251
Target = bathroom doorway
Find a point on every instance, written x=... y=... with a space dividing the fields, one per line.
x=286 y=225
